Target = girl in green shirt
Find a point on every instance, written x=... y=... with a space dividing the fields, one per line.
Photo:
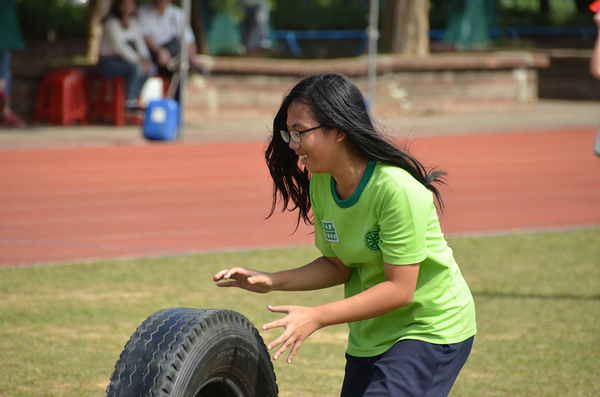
x=410 y=313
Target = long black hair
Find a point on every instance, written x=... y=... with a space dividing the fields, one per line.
x=115 y=10
x=335 y=102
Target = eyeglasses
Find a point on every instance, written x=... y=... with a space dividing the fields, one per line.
x=296 y=135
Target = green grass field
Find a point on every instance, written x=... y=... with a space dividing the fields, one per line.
x=62 y=327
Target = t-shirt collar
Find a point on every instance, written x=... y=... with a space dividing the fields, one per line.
x=353 y=199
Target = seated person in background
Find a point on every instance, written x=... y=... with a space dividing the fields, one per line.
x=123 y=51
x=161 y=24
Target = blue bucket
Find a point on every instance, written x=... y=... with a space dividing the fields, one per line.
x=162 y=120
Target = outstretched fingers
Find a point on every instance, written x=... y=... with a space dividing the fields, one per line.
x=286 y=340
x=298 y=326
x=248 y=279
x=290 y=342
x=226 y=274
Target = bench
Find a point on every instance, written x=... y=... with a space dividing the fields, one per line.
x=291 y=37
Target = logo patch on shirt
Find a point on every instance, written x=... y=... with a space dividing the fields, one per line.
x=329 y=231
x=372 y=240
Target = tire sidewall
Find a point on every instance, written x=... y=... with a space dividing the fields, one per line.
x=226 y=353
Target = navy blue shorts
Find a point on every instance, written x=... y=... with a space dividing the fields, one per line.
x=409 y=368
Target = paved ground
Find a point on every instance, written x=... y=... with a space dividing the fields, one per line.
x=253 y=126
x=118 y=195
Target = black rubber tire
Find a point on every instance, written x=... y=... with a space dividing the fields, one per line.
x=182 y=352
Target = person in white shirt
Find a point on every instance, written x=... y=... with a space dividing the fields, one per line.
x=161 y=24
x=123 y=51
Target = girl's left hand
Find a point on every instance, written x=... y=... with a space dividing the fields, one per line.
x=299 y=324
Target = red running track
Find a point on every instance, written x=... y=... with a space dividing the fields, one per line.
x=63 y=205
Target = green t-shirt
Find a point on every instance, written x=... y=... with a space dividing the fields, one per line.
x=391 y=218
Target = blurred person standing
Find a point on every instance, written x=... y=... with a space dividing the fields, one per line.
x=595 y=71
x=123 y=51
x=255 y=27
x=162 y=24
x=10 y=39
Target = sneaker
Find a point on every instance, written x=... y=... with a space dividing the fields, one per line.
x=12 y=121
x=131 y=104
x=134 y=117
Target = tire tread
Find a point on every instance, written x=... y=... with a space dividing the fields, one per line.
x=152 y=359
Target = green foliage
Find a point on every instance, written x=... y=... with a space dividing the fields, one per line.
x=38 y=18
x=68 y=18
x=63 y=327
x=227 y=7
x=528 y=13
x=320 y=14
x=520 y=13
x=438 y=13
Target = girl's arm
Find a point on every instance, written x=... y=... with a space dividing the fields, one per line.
x=395 y=292
x=321 y=273
x=139 y=39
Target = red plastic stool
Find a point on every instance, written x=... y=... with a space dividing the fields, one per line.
x=62 y=98
x=107 y=98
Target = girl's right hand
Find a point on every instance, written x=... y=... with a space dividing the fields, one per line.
x=248 y=279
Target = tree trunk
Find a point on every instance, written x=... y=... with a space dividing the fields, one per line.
x=197 y=22
x=97 y=10
x=406 y=27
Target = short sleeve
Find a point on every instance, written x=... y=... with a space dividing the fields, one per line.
x=316 y=194
x=403 y=224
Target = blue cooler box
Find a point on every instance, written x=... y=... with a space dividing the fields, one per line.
x=162 y=120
